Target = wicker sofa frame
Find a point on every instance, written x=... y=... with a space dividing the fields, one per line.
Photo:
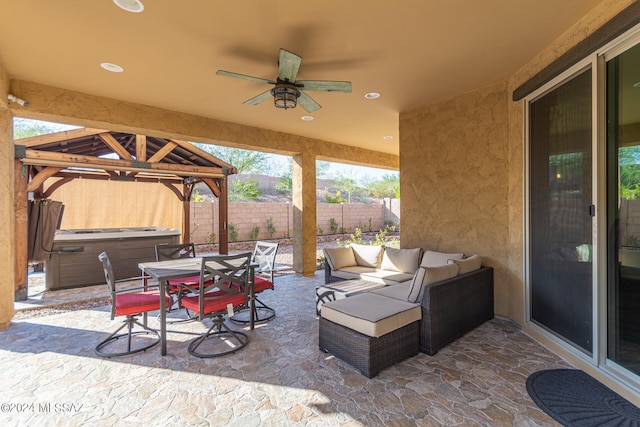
x=450 y=309
x=453 y=307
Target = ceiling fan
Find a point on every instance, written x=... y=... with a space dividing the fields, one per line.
x=287 y=92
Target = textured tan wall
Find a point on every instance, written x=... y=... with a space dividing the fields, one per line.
x=454 y=166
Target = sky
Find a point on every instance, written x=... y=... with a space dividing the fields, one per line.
x=358 y=173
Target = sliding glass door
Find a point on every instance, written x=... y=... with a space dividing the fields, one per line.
x=561 y=211
x=623 y=209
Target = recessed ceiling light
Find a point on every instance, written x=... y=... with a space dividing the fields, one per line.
x=372 y=95
x=134 y=6
x=307 y=118
x=112 y=67
x=387 y=137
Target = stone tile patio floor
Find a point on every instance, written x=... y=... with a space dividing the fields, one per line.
x=51 y=376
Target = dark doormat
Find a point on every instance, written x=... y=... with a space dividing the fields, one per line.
x=573 y=398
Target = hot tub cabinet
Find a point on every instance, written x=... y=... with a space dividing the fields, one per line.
x=75 y=261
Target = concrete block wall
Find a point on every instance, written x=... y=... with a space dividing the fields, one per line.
x=630 y=222
x=244 y=216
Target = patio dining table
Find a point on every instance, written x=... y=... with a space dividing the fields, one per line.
x=163 y=271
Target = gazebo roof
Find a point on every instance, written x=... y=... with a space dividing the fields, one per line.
x=96 y=153
x=102 y=154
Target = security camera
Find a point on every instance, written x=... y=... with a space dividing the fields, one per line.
x=13 y=98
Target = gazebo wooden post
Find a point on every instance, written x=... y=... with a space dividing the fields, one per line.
x=186 y=212
x=223 y=215
x=21 y=230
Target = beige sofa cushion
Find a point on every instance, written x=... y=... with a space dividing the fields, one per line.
x=371 y=275
x=430 y=275
x=436 y=259
x=399 y=291
x=370 y=314
x=367 y=255
x=403 y=260
x=339 y=257
x=467 y=265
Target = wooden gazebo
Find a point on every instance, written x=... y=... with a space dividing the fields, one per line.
x=108 y=155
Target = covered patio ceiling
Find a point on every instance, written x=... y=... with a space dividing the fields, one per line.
x=413 y=53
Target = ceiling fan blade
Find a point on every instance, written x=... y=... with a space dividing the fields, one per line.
x=306 y=102
x=288 y=66
x=242 y=76
x=324 y=85
x=258 y=99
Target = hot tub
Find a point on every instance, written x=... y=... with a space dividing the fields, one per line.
x=75 y=261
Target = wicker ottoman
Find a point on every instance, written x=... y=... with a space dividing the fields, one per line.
x=370 y=332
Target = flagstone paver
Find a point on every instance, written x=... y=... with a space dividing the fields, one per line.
x=51 y=376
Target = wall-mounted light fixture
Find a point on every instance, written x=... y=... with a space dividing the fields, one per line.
x=13 y=98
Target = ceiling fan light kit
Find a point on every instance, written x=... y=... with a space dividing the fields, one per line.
x=288 y=92
x=285 y=95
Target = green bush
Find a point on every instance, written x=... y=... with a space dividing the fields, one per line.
x=334 y=225
x=380 y=239
x=233 y=233
x=334 y=199
x=241 y=191
x=271 y=229
x=254 y=233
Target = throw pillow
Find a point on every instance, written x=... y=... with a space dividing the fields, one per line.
x=430 y=275
x=403 y=260
x=367 y=255
x=467 y=265
x=339 y=257
x=435 y=259
x=416 y=284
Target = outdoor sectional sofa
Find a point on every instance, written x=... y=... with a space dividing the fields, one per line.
x=447 y=296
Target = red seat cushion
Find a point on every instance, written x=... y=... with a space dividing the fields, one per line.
x=138 y=302
x=176 y=285
x=219 y=304
x=262 y=284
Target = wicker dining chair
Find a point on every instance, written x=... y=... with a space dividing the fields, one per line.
x=223 y=290
x=130 y=303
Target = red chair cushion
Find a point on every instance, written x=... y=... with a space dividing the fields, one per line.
x=138 y=302
x=191 y=281
x=262 y=284
x=213 y=305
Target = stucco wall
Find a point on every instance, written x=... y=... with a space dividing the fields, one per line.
x=454 y=163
